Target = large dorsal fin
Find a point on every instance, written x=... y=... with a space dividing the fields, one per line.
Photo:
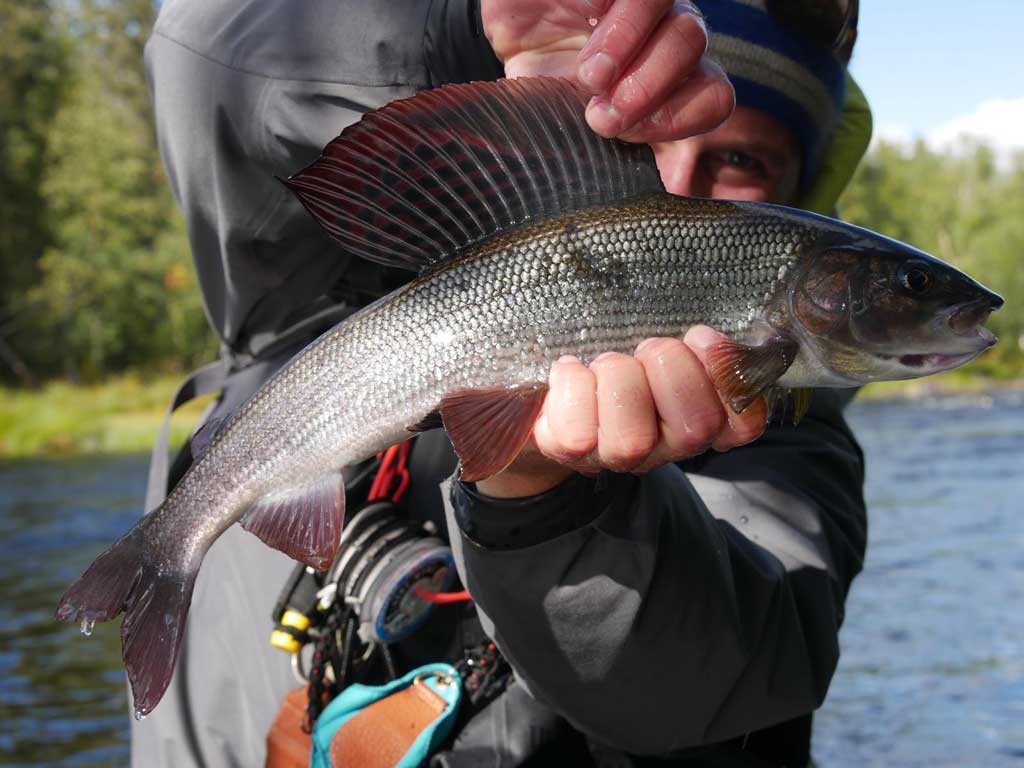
x=420 y=179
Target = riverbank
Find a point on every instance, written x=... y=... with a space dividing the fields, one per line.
x=120 y=415
x=944 y=385
x=123 y=414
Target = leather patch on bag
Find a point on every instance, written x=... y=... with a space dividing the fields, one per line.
x=380 y=735
x=288 y=744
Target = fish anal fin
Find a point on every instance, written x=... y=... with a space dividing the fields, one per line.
x=304 y=523
x=489 y=427
x=741 y=372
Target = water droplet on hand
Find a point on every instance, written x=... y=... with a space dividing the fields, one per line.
x=87 y=625
x=592 y=21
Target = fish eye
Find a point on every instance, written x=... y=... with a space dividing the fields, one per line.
x=915 y=278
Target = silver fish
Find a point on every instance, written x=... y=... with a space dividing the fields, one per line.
x=534 y=238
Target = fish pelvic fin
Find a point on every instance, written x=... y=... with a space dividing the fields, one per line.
x=741 y=372
x=155 y=601
x=788 y=405
x=419 y=180
x=304 y=523
x=489 y=427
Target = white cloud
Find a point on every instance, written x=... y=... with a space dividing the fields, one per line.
x=893 y=133
x=1000 y=122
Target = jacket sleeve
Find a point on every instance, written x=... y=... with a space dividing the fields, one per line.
x=680 y=608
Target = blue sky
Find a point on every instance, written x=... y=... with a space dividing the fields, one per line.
x=935 y=68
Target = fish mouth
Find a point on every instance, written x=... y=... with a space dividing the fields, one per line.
x=938 y=362
x=971 y=344
x=968 y=319
x=969 y=339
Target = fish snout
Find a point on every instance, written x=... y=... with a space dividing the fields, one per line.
x=968 y=319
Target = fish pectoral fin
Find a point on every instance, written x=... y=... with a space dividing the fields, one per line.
x=741 y=372
x=489 y=427
x=304 y=523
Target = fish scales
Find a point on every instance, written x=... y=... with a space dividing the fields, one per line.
x=571 y=247
x=581 y=284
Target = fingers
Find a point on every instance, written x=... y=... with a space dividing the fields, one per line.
x=644 y=61
x=633 y=413
x=567 y=428
x=664 y=61
x=697 y=106
x=743 y=427
x=617 y=39
x=690 y=414
x=598 y=417
x=627 y=422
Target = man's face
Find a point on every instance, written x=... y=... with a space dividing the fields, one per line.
x=751 y=156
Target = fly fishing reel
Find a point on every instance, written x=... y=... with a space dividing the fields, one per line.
x=389 y=574
x=384 y=567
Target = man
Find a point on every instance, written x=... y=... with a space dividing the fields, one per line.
x=684 y=604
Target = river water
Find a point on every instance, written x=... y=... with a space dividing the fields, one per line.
x=932 y=669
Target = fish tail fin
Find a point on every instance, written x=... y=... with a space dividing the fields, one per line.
x=155 y=601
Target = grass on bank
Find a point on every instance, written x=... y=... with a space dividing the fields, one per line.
x=124 y=413
x=120 y=415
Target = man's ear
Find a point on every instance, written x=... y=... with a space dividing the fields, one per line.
x=849 y=143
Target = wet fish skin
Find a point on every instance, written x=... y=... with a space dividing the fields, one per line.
x=477 y=332
x=597 y=280
x=583 y=283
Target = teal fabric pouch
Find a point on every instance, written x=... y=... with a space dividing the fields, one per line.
x=440 y=678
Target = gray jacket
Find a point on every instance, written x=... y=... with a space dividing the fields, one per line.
x=692 y=612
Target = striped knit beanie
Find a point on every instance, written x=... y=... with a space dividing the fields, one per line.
x=798 y=82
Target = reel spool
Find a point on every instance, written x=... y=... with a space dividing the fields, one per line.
x=384 y=562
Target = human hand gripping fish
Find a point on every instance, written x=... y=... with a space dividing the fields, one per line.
x=641 y=65
x=534 y=239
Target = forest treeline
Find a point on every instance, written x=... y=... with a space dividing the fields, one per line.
x=96 y=272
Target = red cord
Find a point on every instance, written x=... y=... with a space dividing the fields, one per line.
x=440 y=598
x=394 y=464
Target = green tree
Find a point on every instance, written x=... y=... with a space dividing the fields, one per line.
x=116 y=284
x=33 y=69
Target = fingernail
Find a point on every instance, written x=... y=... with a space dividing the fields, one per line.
x=597 y=72
x=702 y=337
x=603 y=117
x=645 y=344
x=567 y=360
